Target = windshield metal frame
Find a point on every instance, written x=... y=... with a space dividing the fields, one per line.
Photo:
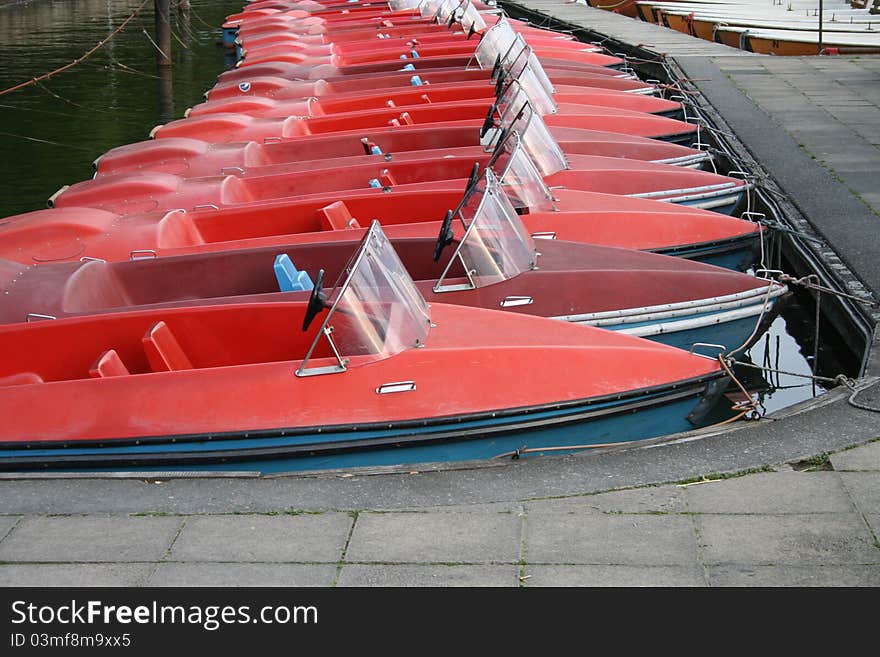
x=492 y=187
x=348 y=273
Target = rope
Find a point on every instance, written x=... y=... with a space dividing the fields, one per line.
x=122 y=68
x=199 y=18
x=44 y=76
x=749 y=405
x=45 y=141
x=150 y=39
x=840 y=379
x=116 y=114
x=758 y=322
x=171 y=30
x=807 y=282
x=851 y=400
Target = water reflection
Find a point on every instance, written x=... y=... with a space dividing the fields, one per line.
x=50 y=133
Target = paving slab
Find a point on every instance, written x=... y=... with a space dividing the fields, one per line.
x=6 y=524
x=258 y=538
x=772 y=492
x=242 y=574
x=778 y=576
x=427 y=576
x=625 y=539
x=829 y=539
x=81 y=574
x=615 y=576
x=436 y=537
x=649 y=499
x=89 y=539
x=874 y=523
x=864 y=488
x=866 y=457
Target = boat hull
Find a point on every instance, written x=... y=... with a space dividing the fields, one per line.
x=644 y=415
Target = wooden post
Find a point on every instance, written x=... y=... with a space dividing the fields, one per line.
x=163 y=31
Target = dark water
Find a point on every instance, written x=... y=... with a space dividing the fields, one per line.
x=52 y=132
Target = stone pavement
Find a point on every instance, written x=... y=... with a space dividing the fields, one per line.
x=814 y=524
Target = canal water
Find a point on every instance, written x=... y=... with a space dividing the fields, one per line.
x=50 y=133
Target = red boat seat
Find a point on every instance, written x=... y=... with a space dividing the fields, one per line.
x=387 y=179
x=20 y=379
x=108 y=364
x=163 y=350
x=337 y=217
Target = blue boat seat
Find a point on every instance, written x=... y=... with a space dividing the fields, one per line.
x=108 y=364
x=164 y=352
x=290 y=279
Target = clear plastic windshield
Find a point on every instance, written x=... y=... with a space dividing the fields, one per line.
x=375 y=313
x=534 y=135
x=495 y=43
x=471 y=19
x=429 y=8
x=519 y=176
x=447 y=8
x=496 y=246
x=527 y=70
x=526 y=87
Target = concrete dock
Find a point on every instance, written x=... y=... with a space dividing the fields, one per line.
x=789 y=500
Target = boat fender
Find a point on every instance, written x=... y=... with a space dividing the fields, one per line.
x=708 y=398
x=374 y=182
x=403 y=56
x=415 y=55
x=408 y=67
x=289 y=278
x=416 y=81
x=244 y=87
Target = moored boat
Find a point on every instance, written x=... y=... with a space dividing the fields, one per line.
x=373 y=378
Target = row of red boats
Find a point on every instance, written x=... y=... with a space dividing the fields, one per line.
x=395 y=232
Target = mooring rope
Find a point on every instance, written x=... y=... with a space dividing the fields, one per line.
x=76 y=61
x=46 y=141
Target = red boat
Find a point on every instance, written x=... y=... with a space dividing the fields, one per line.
x=373 y=371
x=283 y=89
x=570 y=98
x=125 y=194
x=191 y=158
x=677 y=301
x=72 y=233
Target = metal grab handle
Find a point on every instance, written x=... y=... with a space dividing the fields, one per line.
x=37 y=316
x=225 y=169
x=721 y=347
x=758 y=216
x=205 y=206
x=140 y=254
